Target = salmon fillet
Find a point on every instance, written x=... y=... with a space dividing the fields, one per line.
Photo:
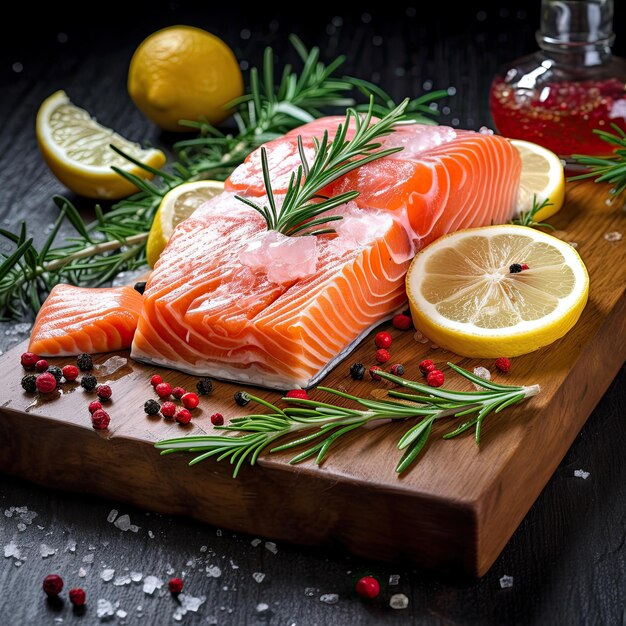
x=74 y=320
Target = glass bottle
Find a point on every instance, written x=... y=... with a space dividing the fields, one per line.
x=572 y=85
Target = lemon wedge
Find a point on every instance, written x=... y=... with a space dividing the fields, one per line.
x=77 y=150
x=542 y=176
x=176 y=206
x=465 y=296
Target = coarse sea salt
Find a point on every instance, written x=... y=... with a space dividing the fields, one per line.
x=107 y=575
x=271 y=546
x=259 y=577
x=187 y=603
x=123 y=523
x=104 y=609
x=398 y=601
x=579 y=473
x=506 y=582
x=613 y=236
x=213 y=571
x=45 y=551
x=329 y=598
x=151 y=583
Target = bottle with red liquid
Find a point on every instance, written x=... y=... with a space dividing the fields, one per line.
x=557 y=96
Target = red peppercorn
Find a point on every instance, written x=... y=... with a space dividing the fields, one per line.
x=156 y=380
x=183 y=416
x=382 y=340
x=373 y=373
x=426 y=366
x=190 y=400
x=300 y=394
x=41 y=365
x=525 y=266
x=77 y=596
x=100 y=419
x=402 y=321
x=503 y=364
x=435 y=378
x=178 y=392
x=382 y=355
x=28 y=360
x=70 y=373
x=46 y=383
x=217 y=419
x=175 y=585
x=163 y=390
x=53 y=584
x=168 y=409
x=94 y=406
x=397 y=369
x=104 y=392
x=368 y=587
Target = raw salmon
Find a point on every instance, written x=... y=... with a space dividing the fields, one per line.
x=230 y=300
x=74 y=320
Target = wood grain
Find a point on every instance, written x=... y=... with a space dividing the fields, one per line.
x=456 y=509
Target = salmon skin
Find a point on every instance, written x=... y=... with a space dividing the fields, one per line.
x=231 y=300
x=74 y=320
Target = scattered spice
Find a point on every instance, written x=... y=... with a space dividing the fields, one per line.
x=168 y=409
x=84 y=362
x=435 y=378
x=163 y=390
x=297 y=393
x=382 y=339
x=373 y=373
x=53 y=585
x=525 y=266
x=28 y=360
x=368 y=587
x=402 y=321
x=104 y=392
x=151 y=407
x=94 y=406
x=57 y=372
x=77 y=596
x=100 y=419
x=156 y=380
x=217 y=419
x=175 y=585
x=204 y=386
x=503 y=364
x=382 y=355
x=70 y=373
x=183 y=416
x=41 y=365
x=426 y=366
x=357 y=371
x=516 y=268
x=29 y=383
x=190 y=400
x=397 y=369
x=242 y=398
x=89 y=382
x=46 y=383
x=178 y=392
x=140 y=286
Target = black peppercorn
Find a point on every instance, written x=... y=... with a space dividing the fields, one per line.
x=242 y=398
x=29 y=384
x=88 y=382
x=204 y=386
x=140 y=287
x=57 y=372
x=152 y=407
x=84 y=362
x=516 y=268
x=357 y=371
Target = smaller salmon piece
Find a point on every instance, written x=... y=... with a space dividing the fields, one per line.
x=74 y=320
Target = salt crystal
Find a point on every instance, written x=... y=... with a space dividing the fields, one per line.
x=613 y=236
x=481 y=372
x=110 y=366
x=82 y=572
x=271 y=546
x=394 y=579
x=121 y=613
x=104 y=609
x=46 y=551
x=310 y=591
x=506 y=582
x=187 y=603
x=150 y=583
x=11 y=550
x=88 y=558
x=124 y=579
x=573 y=244
x=133 y=528
x=329 y=598
x=8 y=512
x=579 y=473
x=136 y=576
x=258 y=576
x=256 y=542
x=107 y=574
x=218 y=532
x=484 y=130
x=71 y=546
x=232 y=564
x=112 y=515
x=213 y=571
x=21 y=527
x=203 y=548
x=150 y=534
x=170 y=570
x=398 y=601
x=261 y=607
x=123 y=522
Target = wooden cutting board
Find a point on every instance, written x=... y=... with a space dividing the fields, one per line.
x=453 y=511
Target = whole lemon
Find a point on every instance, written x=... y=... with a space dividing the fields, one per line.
x=183 y=73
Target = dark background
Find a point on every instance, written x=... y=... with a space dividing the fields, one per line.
x=568 y=558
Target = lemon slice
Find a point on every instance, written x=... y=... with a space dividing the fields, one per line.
x=76 y=149
x=542 y=176
x=176 y=206
x=464 y=297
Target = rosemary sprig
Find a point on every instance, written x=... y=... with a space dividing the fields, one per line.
x=318 y=426
x=303 y=205
x=611 y=169
x=527 y=218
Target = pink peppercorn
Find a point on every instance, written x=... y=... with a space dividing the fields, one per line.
x=70 y=373
x=46 y=383
x=183 y=416
x=104 y=392
x=178 y=392
x=168 y=409
x=426 y=366
x=175 y=585
x=163 y=390
x=77 y=596
x=402 y=322
x=100 y=419
x=94 y=406
x=300 y=394
x=368 y=587
x=156 y=380
x=53 y=585
x=41 y=365
x=382 y=340
x=373 y=373
x=28 y=360
x=217 y=419
x=435 y=378
x=503 y=364
x=190 y=400
x=382 y=355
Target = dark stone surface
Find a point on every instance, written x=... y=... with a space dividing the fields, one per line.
x=568 y=558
